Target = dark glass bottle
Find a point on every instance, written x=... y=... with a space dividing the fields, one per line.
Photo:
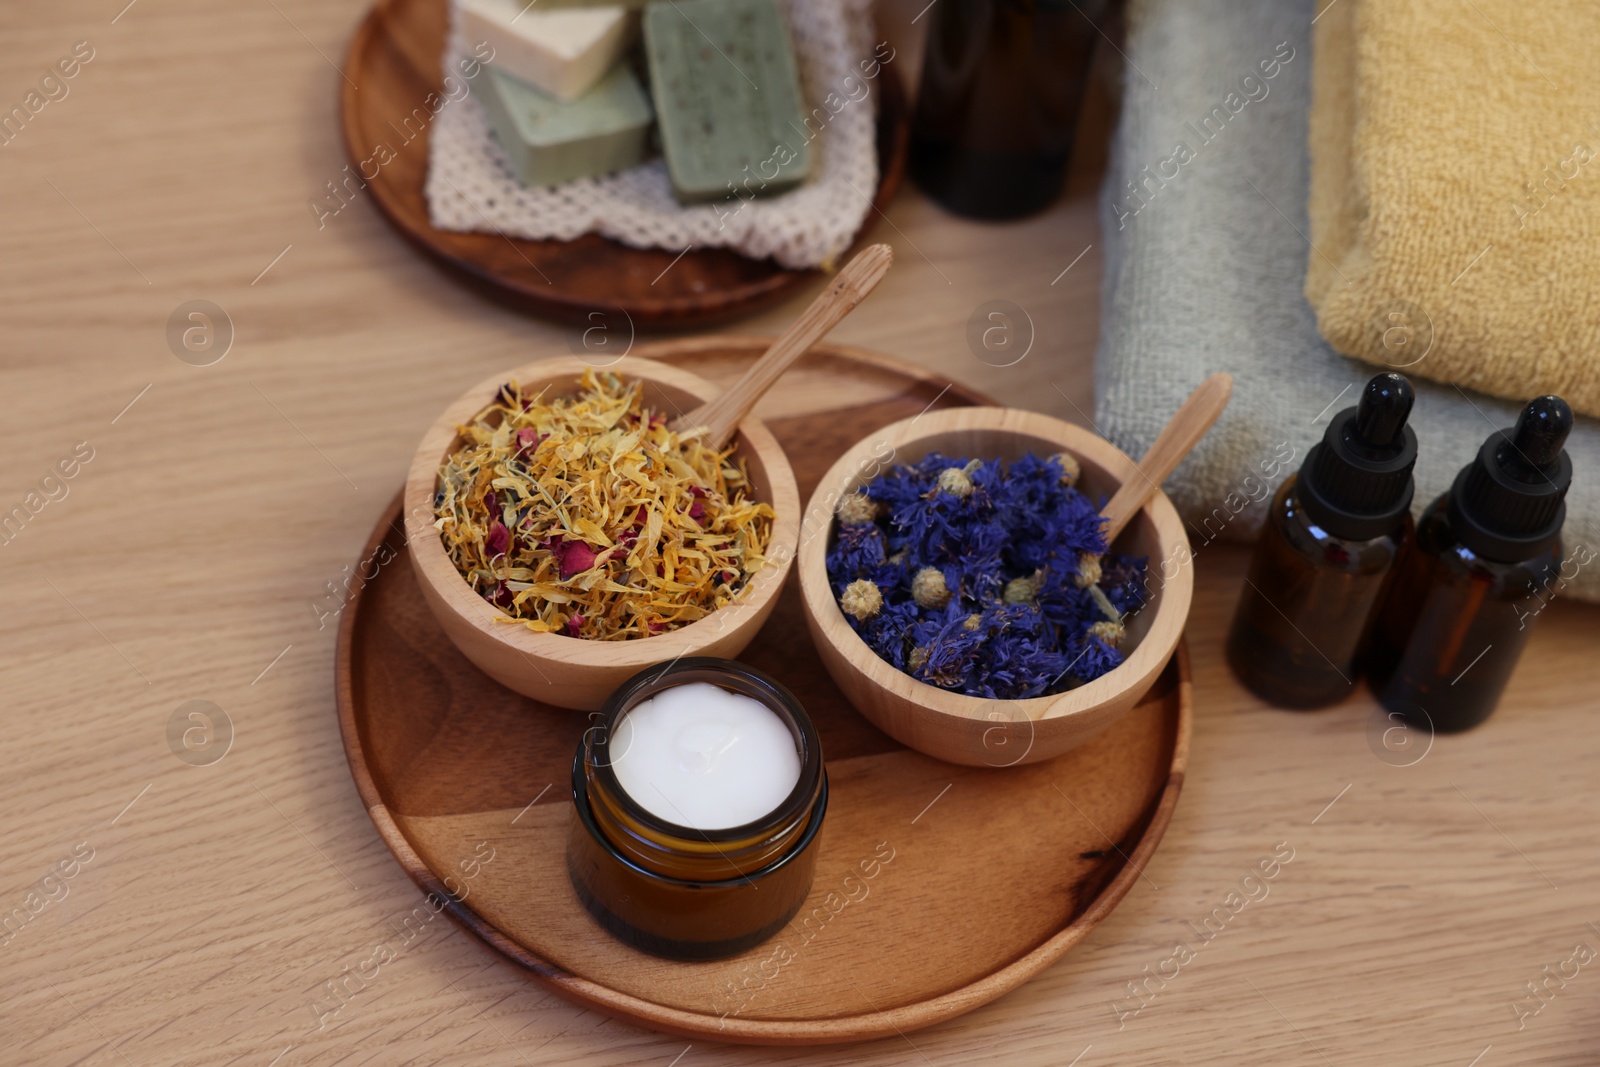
x=1331 y=539
x=1465 y=596
x=1002 y=86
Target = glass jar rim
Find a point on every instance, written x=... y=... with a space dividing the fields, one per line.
x=727 y=674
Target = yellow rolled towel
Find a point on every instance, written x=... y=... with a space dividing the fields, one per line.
x=1455 y=191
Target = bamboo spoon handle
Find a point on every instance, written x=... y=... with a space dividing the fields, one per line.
x=1177 y=438
x=721 y=415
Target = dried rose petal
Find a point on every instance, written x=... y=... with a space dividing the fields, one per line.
x=574 y=625
x=528 y=441
x=499 y=539
x=572 y=557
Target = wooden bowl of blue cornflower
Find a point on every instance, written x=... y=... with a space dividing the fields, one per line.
x=959 y=586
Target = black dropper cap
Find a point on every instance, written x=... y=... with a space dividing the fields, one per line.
x=1356 y=484
x=1509 y=503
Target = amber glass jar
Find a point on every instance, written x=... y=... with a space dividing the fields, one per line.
x=680 y=892
x=1002 y=85
x=1303 y=619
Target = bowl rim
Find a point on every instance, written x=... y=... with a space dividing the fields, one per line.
x=440 y=574
x=1155 y=648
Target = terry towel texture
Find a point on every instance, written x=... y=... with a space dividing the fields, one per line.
x=1203 y=215
x=1455 y=191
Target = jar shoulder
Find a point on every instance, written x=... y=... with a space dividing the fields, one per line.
x=1437 y=539
x=1288 y=516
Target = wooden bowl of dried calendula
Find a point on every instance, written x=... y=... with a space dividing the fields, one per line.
x=566 y=537
x=963 y=592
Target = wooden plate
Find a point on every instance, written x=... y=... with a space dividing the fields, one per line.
x=394 y=59
x=938 y=887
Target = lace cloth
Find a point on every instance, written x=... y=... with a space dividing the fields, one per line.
x=471 y=187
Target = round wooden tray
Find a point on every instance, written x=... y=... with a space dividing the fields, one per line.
x=394 y=58
x=938 y=887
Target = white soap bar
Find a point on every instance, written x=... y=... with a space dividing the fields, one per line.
x=700 y=756
x=563 y=52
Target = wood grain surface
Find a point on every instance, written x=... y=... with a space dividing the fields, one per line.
x=190 y=558
x=392 y=68
x=443 y=759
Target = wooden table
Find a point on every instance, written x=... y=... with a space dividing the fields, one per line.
x=190 y=559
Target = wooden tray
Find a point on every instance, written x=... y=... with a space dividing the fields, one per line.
x=990 y=875
x=394 y=58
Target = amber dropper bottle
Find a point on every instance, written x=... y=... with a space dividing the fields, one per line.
x=1332 y=534
x=1453 y=626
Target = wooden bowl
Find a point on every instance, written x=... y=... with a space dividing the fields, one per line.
x=972 y=730
x=564 y=671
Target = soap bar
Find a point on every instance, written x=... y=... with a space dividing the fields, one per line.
x=727 y=95
x=549 y=140
x=565 y=53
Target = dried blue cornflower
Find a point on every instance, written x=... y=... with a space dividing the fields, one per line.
x=889 y=632
x=946 y=647
x=1064 y=605
x=985 y=578
x=857 y=551
x=1124 y=583
x=1021 y=657
x=1092 y=657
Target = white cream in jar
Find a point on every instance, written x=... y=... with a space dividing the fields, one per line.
x=703 y=757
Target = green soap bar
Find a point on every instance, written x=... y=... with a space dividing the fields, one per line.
x=549 y=140
x=727 y=96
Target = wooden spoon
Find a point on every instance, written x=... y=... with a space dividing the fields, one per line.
x=1177 y=438
x=721 y=415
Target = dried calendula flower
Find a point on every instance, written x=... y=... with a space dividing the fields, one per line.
x=861 y=600
x=587 y=516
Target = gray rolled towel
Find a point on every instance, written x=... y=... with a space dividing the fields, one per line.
x=1206 y=244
